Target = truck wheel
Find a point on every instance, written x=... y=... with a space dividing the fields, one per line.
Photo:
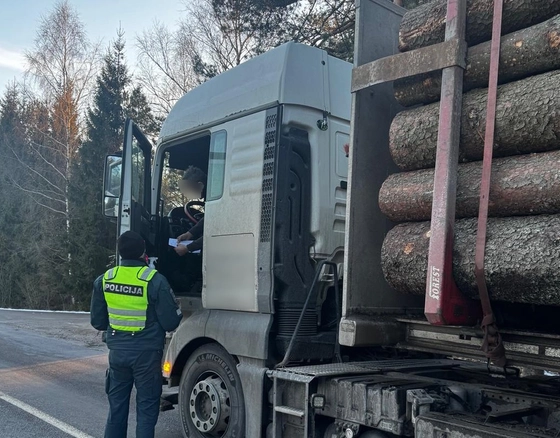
x=210 y=395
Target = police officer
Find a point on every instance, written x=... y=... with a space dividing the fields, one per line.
x=136 y=306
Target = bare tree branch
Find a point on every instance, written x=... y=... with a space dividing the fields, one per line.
x=41 y=194
x=63 y=64
x=32 y=170
x=165 y=66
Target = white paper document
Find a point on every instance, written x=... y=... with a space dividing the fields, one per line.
x=173 y=243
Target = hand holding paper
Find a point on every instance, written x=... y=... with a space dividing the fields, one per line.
x=173 y=243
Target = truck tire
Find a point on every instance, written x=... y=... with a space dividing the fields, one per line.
x=211 y=401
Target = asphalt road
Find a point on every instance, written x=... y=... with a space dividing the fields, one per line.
x=52 y=370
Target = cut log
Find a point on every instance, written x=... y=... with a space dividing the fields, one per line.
x=524 y=53
x=527 y=120
x=411 y=4
x=425 y=25
x=522 y=258
x=521 y=185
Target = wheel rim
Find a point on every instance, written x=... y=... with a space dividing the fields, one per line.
x=209 y=405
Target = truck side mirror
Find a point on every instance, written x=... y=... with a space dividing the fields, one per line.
x=112 y=186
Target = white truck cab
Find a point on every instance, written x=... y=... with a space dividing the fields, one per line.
x=271 y=136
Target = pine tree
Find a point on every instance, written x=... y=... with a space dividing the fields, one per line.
x=92 y=235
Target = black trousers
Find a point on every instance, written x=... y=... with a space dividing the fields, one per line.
x=143 y=370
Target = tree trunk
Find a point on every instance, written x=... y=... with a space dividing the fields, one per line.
x=527 y=120
x=425 y=25
x=522 y=258
x=524 y=53
x=521 y=185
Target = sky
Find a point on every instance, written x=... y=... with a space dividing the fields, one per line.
x=19 y=21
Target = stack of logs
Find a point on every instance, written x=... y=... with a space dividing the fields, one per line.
x=523 y=242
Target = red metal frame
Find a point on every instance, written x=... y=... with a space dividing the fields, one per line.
x=444 y=304
x=492 y=343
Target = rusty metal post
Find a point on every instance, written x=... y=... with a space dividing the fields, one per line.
x=492 y=344
x=444 y=304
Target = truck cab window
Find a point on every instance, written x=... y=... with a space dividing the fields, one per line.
x=138 y=172
x=170 y=194
x=217 y=165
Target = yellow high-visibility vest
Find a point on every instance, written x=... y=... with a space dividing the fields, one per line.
x=126 y=293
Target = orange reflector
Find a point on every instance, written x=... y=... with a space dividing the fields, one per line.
x=167 y=367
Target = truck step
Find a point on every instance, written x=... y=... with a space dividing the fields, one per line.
x=305 y=374
x=290 y=411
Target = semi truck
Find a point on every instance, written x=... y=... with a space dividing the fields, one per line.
x=293 y=326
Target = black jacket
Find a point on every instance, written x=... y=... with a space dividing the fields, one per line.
x=163 y=315
x=197 y=231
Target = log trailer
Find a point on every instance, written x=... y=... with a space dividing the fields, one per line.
x=369 y=269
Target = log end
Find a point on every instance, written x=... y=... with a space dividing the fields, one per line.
x=522 y=261
x=404 y=257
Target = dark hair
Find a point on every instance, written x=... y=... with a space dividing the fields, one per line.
x=194 y=174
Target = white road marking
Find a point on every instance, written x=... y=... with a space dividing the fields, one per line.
x=75 y=312
x=66 y=428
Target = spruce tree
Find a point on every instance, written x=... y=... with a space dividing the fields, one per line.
x=22 y=219
x=13 y=209
x=93 y=236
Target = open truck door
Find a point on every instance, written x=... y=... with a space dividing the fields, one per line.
x=127 y=183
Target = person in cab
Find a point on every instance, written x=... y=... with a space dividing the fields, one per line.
x=192 y=186
x=184 y=267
